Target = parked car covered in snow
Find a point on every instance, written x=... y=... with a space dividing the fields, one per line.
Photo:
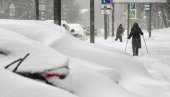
x=77 y=31
x=32 y=59
x=13 y=85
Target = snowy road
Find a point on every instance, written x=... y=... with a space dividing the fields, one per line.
x=157 y=61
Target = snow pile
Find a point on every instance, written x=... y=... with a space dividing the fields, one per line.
x=76 y=47
x=131 y=76
x=157 y=61
x=89 y=83
x=41 y=58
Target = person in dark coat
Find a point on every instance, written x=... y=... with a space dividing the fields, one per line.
x=136 y=40
x=119 y=33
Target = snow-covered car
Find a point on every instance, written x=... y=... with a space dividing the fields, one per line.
x=77 y=31
x=132 y=75
x=32 y=59
x=13 y=85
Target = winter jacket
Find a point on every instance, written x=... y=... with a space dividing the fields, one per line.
x=135 y=34
x=120 y=31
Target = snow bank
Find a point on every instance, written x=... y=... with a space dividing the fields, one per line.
x=75 y=48
x=156 y=63
x=131 y=73
x=89 y=83
x=41 y=57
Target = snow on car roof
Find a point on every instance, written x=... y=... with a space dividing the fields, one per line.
x=75 y=26
x=41 y=57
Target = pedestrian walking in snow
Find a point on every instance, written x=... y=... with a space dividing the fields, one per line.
x=119 y=33
x=136 y=40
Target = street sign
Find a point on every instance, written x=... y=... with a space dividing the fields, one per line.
x=132 y=6
x=42 y=12
x=42 y=7
x=139 y=1
x=147 y=7
x=132 y=14
x=106 y=1
x=106 y=11
x=12 y=10
x=106 y=6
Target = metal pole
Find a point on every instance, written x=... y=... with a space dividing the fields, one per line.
x=37 y=9
x=105 y=26
x=150 y=20
x=108 y=26
x=92 y=21
x=113 y=20
x=128 y=18
x=57 y=12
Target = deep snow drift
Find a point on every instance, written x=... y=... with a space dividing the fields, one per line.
x=59 y=39
x=157 y=60
x=42 y=59
x=133 y=79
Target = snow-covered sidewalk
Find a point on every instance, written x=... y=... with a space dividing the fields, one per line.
x=157 y=60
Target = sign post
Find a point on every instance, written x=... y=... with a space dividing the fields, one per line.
x=92 y=22
x=42 y=12
x=37 y=9
x=128 y=19
x=57 y=11
x=106 y=9
x=148 y=18
x=113 y=30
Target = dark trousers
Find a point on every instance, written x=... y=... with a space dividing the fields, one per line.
x=135 y=51
x=118 y=37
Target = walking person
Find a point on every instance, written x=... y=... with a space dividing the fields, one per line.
x=136 y=40
x=119 y=33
